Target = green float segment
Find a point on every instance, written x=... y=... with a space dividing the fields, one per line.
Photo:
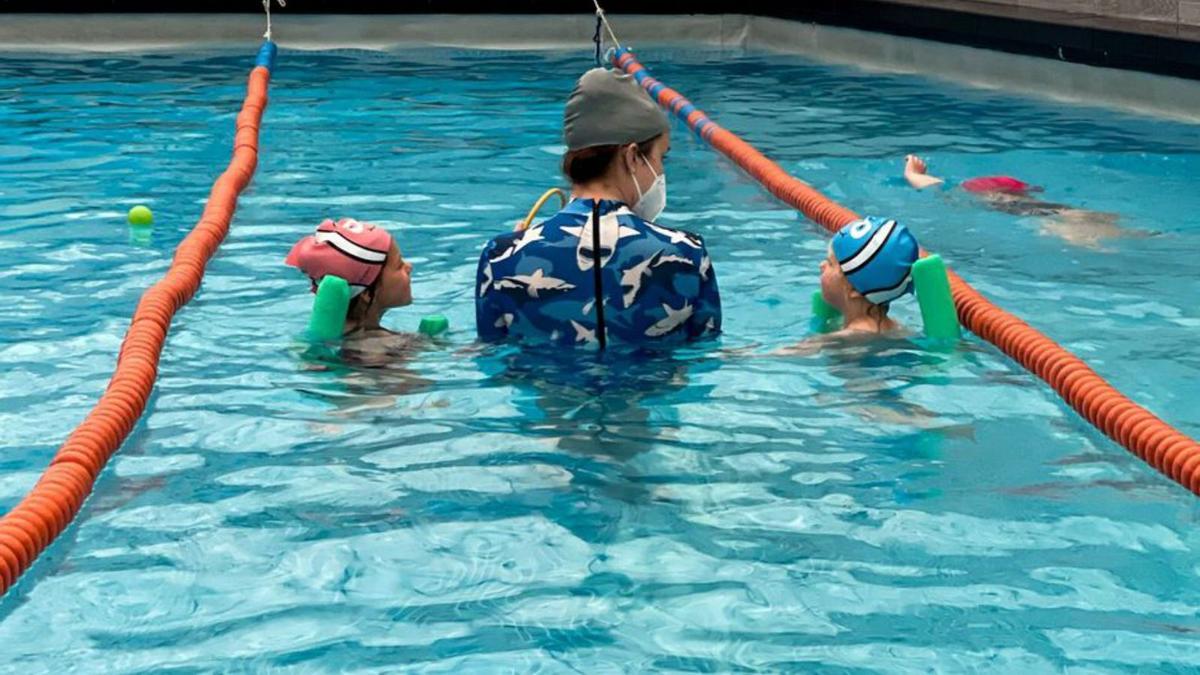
x=933 y=295
x=826 y=318
x=932 y=286
x=328 y=318
x=434 y=325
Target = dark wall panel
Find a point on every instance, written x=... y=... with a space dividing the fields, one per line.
x=1080 y=41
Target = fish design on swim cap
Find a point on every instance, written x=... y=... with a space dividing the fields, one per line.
x=350 y=249
x=876 y=255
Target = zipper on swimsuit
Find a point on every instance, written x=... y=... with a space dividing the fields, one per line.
x=601 y=335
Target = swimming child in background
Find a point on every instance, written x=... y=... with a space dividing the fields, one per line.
x=1015 y=197
x=367 y=257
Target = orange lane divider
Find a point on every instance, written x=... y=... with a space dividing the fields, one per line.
x=1135 y=428
x=45 y=512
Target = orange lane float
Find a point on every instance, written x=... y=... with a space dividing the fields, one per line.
x=45 y=512
x=1132 y=426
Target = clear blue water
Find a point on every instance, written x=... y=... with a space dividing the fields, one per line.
x=871 y=507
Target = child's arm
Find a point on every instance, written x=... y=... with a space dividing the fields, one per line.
x=807 y=347
x=915 y=173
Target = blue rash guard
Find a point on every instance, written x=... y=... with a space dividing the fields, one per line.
x=540 y=285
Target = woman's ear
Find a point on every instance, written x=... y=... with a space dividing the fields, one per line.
x=629 y=155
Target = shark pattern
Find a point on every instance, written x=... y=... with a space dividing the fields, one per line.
x=528 y=237
x=676 y=236
x=583 y=333
x=591 y=304
x=487 y=279
x=534 y=283
x=674 y=319
x=631 y=277
x=667 y=259
x=611 y=233
x=540 y=284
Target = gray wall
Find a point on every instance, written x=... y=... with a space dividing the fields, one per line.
x=1185 y=12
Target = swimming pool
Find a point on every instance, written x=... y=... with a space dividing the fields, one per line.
x=468 y=511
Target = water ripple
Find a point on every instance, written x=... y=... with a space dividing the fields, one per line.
x=870 y=507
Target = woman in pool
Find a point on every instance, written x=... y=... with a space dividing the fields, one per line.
x=601 y=271
x=367 y=257
x=1015 y=197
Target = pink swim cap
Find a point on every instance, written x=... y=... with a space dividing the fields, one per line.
x=349 y=249
x=1006 y=184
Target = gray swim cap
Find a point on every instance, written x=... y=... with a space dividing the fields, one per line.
x=609 y=108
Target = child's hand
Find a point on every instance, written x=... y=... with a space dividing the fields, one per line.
x=914 y=173
x=914 y=164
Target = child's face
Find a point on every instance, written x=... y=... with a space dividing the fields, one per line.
x=395 y=280
x=835 y=287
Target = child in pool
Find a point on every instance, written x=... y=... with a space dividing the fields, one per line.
x=1015 y=197
x=868 y=266
x=367 y=257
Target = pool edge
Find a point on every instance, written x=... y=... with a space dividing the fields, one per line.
x=1130 y=90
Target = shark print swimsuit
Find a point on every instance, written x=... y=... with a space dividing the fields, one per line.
x=626 y=281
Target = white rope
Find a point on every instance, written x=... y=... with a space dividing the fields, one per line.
x=267 y=8
x=604 y=18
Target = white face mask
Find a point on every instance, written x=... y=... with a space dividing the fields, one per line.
x=653 y=201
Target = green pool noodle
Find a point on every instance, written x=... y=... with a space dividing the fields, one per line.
x=434 y=325
x=826 y=317
x=329 y=309
x=933 y=295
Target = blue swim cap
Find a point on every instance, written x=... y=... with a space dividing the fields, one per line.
x=876 y=255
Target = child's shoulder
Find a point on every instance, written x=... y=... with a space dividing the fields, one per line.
x=365 y=344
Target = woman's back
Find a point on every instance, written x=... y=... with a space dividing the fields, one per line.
x=542 y=284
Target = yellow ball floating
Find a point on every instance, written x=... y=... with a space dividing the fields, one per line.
x=140 y=215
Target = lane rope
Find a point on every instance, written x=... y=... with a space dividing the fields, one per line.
x=1133 y=427
x=34 y=523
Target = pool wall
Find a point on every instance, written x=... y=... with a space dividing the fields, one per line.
x=1157 y=36
x=1166 y=12
x=1143 y=92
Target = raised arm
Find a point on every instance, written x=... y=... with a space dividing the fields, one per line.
x=915 y=173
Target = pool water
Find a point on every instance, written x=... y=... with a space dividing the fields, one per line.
x=869 y=507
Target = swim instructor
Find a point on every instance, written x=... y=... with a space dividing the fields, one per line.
x=601 y=272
